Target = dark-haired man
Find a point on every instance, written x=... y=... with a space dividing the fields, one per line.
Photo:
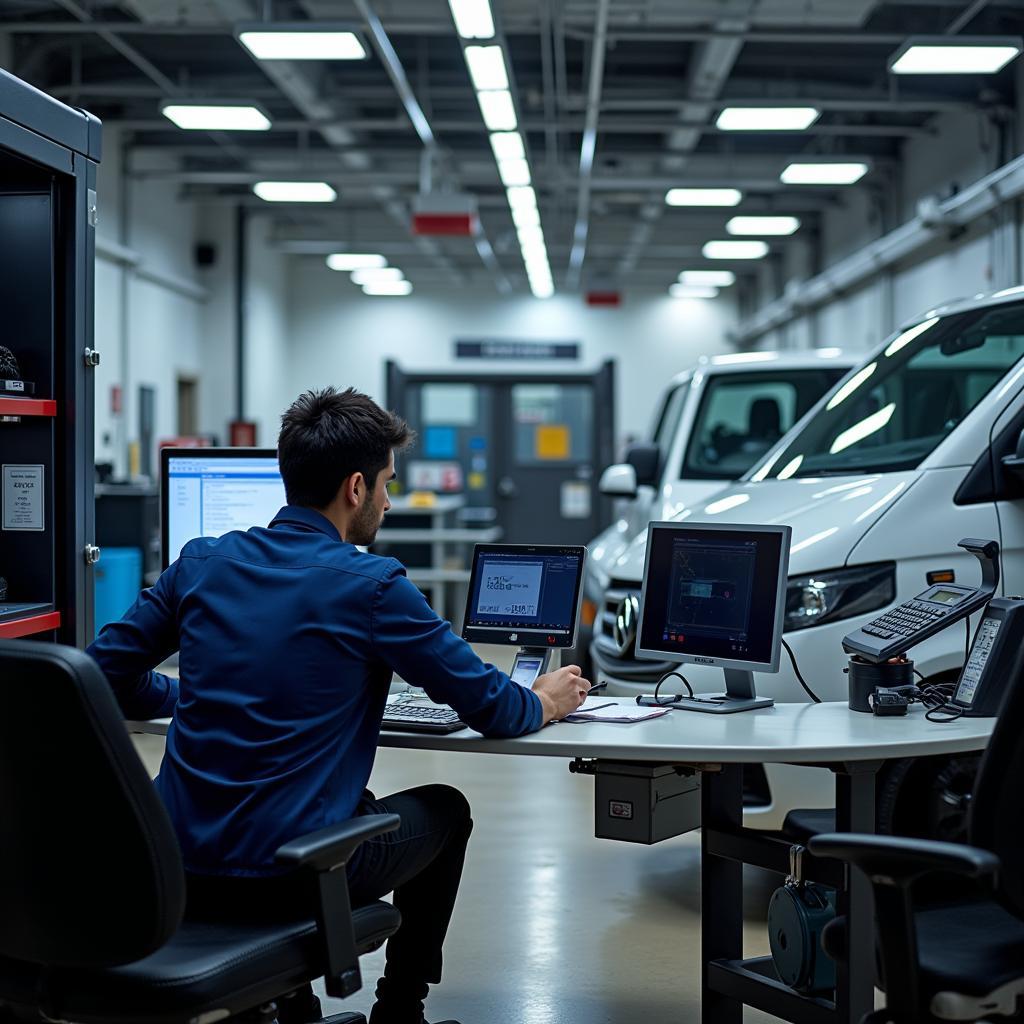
x=287 y=638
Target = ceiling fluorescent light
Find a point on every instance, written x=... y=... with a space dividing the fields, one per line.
x=473 y=19
x=531 y=235
x=526 y=216
x=295 y=191
x=703 y=196
x=762 y=225
x=513 y=172
x=388 y=288
x=372 y=275
x=355 y=260
x=507 y=145
x=216 y=116
x=486 y=67
x=958 y=55
x=300 y=41
x=522 y=197
x=725 y=250
x=498 y=112
x=824 y=173
x=767 y=119
x=715 y=278
x=692 y=291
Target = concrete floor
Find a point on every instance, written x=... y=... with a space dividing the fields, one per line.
x=552 y=925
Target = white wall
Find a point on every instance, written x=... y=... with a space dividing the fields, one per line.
x=341 y=337
x=160 y=316
x=983 y=258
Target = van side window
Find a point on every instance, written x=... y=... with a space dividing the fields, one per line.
x=668 y=421
x=742 y=416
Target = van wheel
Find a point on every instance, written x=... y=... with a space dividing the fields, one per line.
x=926 y=797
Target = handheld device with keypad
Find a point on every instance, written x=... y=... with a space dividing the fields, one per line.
x=897 y=630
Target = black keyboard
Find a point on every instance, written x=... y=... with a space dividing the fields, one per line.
x=436 y=718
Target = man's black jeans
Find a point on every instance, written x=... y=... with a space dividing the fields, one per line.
x=421 y=862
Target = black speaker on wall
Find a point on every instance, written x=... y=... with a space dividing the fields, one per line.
x=206 y=254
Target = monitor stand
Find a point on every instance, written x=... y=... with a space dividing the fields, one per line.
x=739 y=696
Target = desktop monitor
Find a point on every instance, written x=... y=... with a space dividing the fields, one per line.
x=206 y=492
x=525 y=594
x=714 y=594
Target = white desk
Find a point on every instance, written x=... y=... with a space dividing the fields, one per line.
x=852 y=745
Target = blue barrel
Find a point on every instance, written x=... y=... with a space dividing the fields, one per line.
x=118 y=582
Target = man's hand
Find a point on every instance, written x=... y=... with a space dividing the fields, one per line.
x=561 y=692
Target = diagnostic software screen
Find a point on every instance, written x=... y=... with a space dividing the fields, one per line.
x=207 y=494
x=711 y=593
x=516 y=588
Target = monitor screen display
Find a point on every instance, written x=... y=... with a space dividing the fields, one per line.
x=714 y=594
x=207 y=492
x=524 y=594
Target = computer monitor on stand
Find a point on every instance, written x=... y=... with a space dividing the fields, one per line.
x=527 y=596
x=206 y=492
x=714 y=594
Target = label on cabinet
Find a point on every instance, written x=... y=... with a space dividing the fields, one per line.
x=23 y=507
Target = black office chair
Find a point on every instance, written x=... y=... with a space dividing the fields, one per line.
x=962 y=960
x=92 y=891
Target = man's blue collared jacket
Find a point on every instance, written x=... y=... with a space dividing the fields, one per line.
x=288 y=637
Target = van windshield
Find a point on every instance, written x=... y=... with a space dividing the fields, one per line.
x=895 y=409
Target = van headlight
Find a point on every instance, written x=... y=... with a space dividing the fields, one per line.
x=838 y=594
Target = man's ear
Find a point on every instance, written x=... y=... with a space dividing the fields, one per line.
x=354 y=489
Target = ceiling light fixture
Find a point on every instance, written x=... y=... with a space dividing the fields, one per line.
x=762 y=225
x=956 y=55
x=728 y=250
x=691 y=291
x=301 y=40
x=473 y=18
x=498 y=111
x=507 y=145
x=371 y=275
x=521 y=197
x=831 y=173
x=526 y=216
x=295 y=191
x=486 y=67
x=715 y=278
x=216 y=116
x=767 y=119
x=355 y=260
x=703 y=196
x=388 y=288
x=514 y=172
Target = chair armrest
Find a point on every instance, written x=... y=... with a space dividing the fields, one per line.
x=332 y=847
x=892 y=860
x=322 y=856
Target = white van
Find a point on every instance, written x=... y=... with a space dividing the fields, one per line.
x=712 y=424
x=879 y=482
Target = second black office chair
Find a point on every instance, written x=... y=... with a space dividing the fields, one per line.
x=964 y=960
x=93 y=927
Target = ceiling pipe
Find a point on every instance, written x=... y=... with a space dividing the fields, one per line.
x=935 y=219
x=589 y=146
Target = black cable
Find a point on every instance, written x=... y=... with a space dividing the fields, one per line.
x=800 y=679
x=668 y=675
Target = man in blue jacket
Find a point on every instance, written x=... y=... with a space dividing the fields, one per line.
x=288 y=637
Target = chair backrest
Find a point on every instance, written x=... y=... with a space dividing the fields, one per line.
x=90 y=870
x=764 y=421
x=996 y=820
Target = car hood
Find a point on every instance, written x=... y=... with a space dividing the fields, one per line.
x=828 y=515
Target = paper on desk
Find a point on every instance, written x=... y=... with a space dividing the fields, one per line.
x=599 y=712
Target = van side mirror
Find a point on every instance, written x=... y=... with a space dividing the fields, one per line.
x=645 y=458
x=618 y=482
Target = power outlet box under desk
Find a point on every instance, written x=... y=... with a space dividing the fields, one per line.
x=644 y=803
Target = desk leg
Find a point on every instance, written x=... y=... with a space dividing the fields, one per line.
x=721 y=891
x=855 y=812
